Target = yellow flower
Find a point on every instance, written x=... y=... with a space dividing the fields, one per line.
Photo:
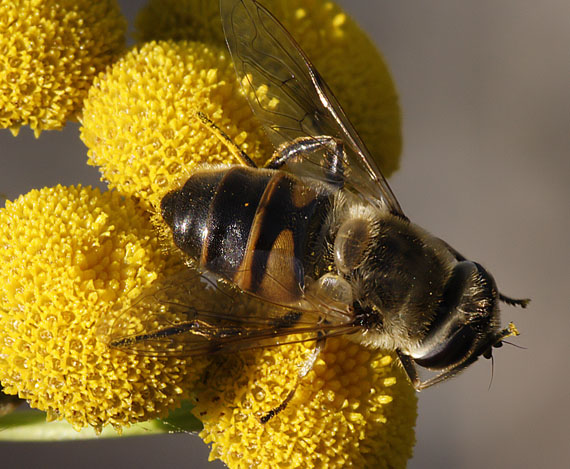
x=354 y=409
x=345 y=56
x=70 y=261
x=50 y=51
x=139 y=124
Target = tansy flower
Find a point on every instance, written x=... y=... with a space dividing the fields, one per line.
x=70 y=260
x=50 y=51
x=355 y=408
x=139 y=118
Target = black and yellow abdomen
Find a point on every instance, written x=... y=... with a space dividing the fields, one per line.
x=250 y=226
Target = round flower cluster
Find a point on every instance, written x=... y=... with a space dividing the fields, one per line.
x=342 y=52
x=139 y=119
x=354 y=409
x=51 y=50
x=71 y=259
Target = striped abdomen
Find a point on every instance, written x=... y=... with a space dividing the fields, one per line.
x=251 y=226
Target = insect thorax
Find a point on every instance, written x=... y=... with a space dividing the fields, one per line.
x=398 y=272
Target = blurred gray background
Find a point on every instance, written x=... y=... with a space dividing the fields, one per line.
x=485 y=91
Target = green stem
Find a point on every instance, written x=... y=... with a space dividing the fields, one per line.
x=31 y=425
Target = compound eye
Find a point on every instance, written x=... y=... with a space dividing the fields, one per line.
x=350 y=244
x=453 y=350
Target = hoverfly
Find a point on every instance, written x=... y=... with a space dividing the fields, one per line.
x=315 y=243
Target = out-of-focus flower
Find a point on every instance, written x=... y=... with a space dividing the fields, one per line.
x=50 y=51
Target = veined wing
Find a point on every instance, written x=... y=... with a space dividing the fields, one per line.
x=196 y=314
x=291 y=99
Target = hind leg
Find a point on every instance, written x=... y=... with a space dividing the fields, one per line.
x=304 y=371
x=237 y=152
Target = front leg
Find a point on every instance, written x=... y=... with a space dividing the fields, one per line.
x=410 y=369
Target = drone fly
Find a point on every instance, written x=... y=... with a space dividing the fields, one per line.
x=314 y=243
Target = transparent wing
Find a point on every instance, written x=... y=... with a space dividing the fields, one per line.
x=196 y=314
x=291 y=99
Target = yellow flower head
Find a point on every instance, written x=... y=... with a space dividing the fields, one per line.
x=354 y=409
x=50 y=51
x=344 y=55
x=70 y=258
x=139 y=123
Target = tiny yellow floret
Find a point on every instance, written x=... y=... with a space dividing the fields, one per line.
x=50 y=52
x=71 y=259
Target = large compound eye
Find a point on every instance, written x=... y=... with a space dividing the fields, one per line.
x=350 y=244
x=453 y=350
x=465 y=320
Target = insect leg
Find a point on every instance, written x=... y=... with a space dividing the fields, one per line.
x=445 y=375
x=410 y=369
x=237 y=152
x=412 y=372
x=304 y=371
x=298 y=149
x=197 y=327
